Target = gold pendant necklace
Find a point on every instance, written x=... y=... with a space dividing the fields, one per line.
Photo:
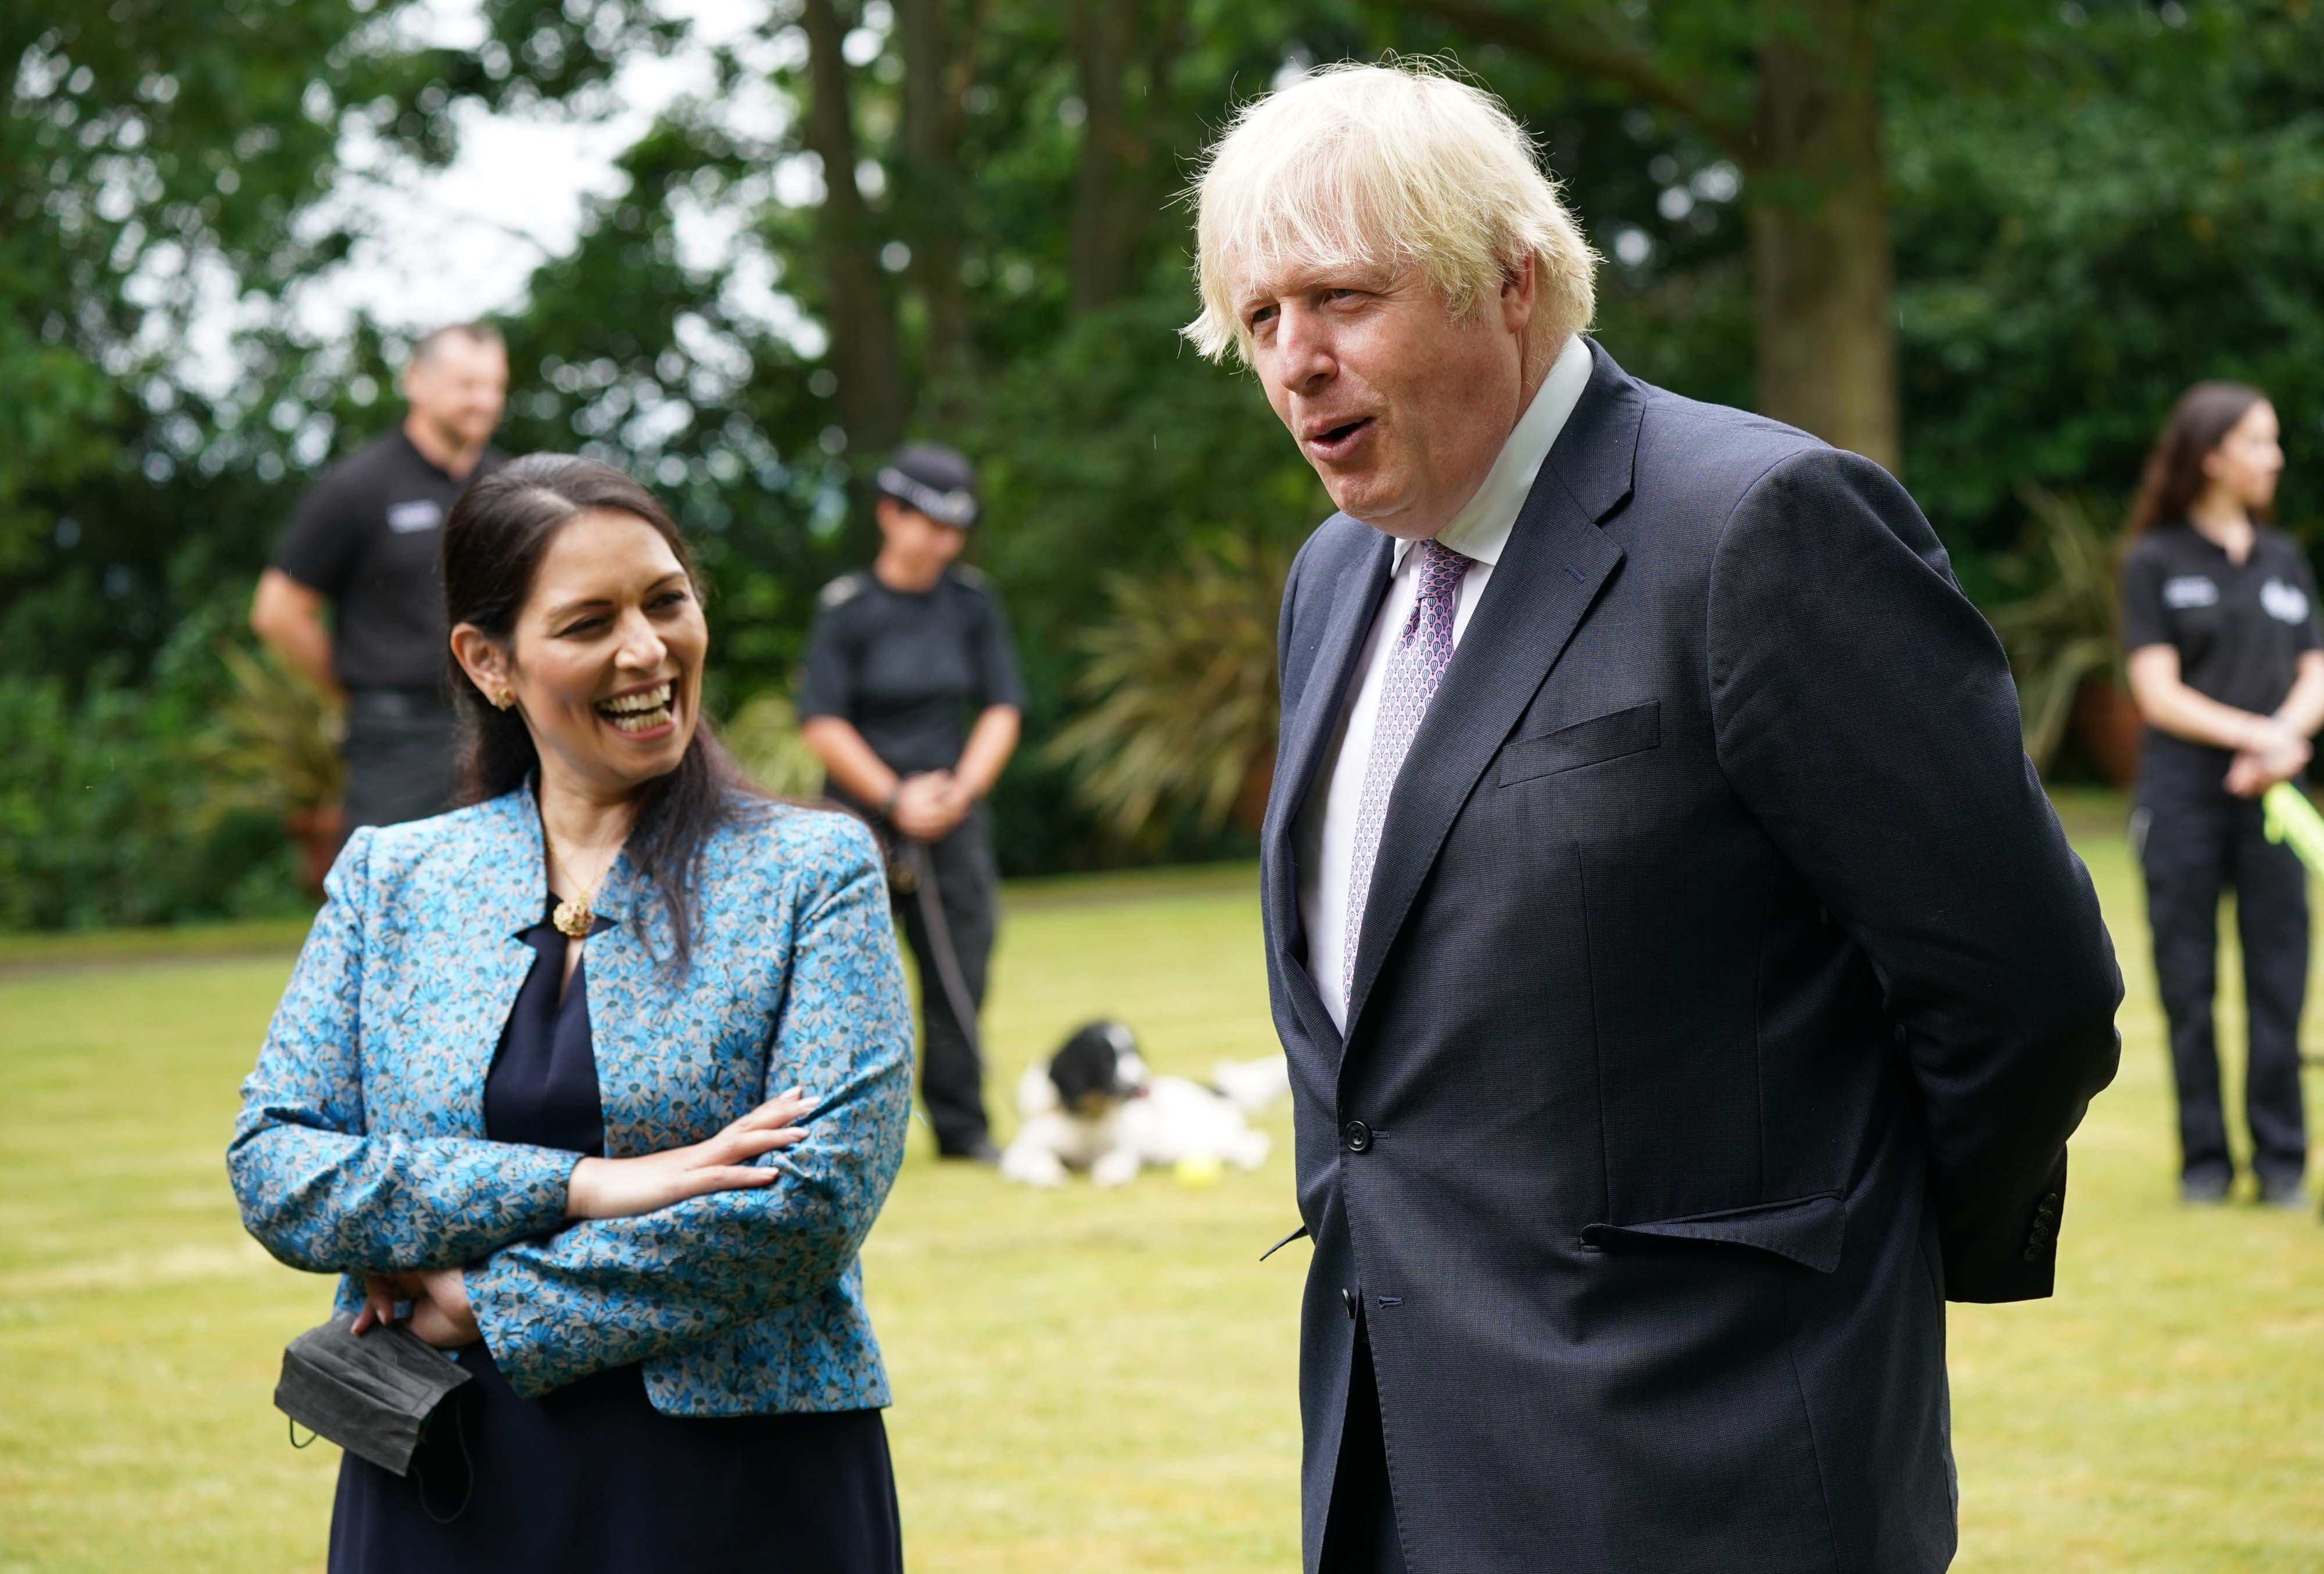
x=572 y=916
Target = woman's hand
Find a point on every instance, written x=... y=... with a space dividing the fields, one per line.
x=439 y=1306
x=625 y=1188
x=2271 y=753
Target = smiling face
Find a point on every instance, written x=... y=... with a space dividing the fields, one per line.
x=1400 y=403
x=2249 y=459
x=605 y=659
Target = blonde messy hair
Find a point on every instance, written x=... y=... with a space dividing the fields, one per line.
x=1383 y=168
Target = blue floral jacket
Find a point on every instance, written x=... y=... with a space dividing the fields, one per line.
x=361 y=1145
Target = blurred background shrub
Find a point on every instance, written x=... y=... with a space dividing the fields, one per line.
x=1179 y=694
x=2064 y=635
x=271 y=751
x=763 y=737
x=107 y=814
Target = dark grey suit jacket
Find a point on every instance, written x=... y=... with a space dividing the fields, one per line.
x=1724 y=996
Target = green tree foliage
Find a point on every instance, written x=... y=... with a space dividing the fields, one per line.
x=162 y=165
x=953 y=218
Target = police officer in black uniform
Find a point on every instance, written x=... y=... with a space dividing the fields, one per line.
x=2219 y=616
x=366 y=539
x=912 y=700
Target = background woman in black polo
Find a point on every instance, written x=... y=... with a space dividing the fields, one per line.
x=912 y=700
x=2221 y=621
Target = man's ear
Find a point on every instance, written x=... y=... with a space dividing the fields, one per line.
x=1520 y=293
x=480 y=655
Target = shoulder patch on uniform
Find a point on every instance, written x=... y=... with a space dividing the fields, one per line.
x=840 y=591
x=969 y=574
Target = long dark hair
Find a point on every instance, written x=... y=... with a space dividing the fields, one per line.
x=2198 y=424
x=492 y=546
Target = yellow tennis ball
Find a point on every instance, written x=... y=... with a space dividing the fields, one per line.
x=1199 y=1169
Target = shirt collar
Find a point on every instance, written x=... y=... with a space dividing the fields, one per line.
x=1482 y=529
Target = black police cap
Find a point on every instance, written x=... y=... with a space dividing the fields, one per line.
x=933 y=479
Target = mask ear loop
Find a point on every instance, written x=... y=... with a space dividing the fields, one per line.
x=291 y=1427
x=467 y=1469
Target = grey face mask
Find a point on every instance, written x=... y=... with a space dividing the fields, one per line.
x=370 y=1393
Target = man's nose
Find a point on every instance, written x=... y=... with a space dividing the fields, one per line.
x=1303 y=349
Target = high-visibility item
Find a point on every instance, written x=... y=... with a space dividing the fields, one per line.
x=2293 y=821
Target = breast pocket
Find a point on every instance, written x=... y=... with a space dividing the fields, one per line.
x=1590 y=742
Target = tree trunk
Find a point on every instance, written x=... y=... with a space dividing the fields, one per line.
x=1103 y=234
x=866 y=346
x=939 y=66
x=1823 y=276
x=1123 y=51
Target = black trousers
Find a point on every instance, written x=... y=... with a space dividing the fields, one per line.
x=1359 y=1534
x=401 y=751
x=952 y=1073
x=2199 y=841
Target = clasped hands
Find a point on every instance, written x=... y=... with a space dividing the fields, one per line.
x=2269 y=752
x=928 y=806
x=599 y=1189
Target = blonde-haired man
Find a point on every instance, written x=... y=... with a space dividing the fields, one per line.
x=1686 y=983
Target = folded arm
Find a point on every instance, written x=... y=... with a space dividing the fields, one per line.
x=1864 y=713
x=320 y=1192
x=606 y=1293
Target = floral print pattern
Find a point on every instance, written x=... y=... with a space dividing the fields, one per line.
x=361 y=1147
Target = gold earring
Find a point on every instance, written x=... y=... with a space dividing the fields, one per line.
x=506 y=699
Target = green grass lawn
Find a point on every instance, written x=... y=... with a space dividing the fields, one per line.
x=1083 y=1382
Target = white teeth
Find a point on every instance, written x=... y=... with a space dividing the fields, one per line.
x=644 y=700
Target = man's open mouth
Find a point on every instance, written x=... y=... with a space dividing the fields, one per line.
x=641 y=711
x=1335 y=439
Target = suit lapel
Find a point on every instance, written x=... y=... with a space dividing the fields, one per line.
x=1551 y=570
x=1355 y=602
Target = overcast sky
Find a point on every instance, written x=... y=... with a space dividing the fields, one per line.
x=459 y=242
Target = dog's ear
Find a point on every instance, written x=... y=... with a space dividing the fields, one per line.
x=1083 y=1064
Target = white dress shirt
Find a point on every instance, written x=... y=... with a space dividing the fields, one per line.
x=1323 y=836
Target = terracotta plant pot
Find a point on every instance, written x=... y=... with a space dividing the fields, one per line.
x=319 y=833
x=1250 y=799
x=2109 y=726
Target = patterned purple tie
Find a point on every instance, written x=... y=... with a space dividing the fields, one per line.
x=1414 y=668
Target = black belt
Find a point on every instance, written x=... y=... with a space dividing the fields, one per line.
x=398 y=705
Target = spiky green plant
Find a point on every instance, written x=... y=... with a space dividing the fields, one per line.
x=1181 y=694
x=273 y=747
x=2070 y=628
x=763 y=737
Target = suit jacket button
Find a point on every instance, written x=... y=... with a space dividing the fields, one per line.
x=1356 y=1136
x=1347 y=1299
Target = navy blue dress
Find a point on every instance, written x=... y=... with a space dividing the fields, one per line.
x=591 y=1477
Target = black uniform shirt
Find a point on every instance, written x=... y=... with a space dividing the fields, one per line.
x=2240 y=628
x=370 y=536
x=908 y=671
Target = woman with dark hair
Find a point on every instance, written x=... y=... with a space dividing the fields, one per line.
x=597 y=1083
x=2219 y=617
